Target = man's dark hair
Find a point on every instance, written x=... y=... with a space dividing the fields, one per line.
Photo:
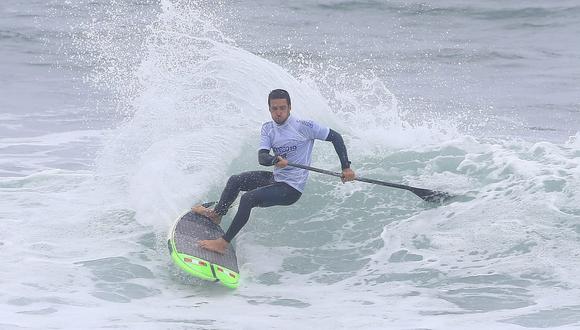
x=279 y=94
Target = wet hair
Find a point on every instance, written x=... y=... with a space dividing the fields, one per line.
x=279 y=94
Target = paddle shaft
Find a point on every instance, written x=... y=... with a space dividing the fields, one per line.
x=382 y=183
x=425 y=194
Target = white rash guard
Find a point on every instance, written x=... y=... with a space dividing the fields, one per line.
x=292 y=140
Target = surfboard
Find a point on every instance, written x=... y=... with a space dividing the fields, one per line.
x=196 y=261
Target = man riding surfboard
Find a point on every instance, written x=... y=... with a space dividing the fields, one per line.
x=292 y=140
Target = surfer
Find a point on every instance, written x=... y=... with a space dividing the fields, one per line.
x=291 y=139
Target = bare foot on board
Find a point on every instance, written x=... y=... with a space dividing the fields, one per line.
x=216 y=245
x=208 y=213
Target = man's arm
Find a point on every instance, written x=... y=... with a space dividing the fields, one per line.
x=340 y=148
x=264 y=158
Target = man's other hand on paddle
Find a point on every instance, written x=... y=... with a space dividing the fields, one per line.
x=347 y=175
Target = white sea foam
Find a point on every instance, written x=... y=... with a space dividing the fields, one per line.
x=87 y=245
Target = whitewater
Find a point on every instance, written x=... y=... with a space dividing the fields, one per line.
x=116 y=117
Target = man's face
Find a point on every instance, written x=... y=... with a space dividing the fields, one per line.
x=280 y=110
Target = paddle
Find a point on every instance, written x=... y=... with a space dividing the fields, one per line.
x=425 y=194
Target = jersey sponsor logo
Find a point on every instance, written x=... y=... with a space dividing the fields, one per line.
x=284 y=149
x=306 y=123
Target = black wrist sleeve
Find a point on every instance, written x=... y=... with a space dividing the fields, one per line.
x=339 y=147
x=264 y=158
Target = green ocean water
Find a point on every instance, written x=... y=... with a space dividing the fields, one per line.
x=121 y=115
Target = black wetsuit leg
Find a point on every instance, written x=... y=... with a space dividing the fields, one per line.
x=242 y=182
x=277 y=193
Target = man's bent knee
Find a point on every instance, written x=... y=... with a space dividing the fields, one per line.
x=249 y=200
x=234 y=181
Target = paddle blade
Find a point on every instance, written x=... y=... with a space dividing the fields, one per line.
x=432 y=196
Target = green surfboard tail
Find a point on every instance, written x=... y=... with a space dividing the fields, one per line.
x=204 y=269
